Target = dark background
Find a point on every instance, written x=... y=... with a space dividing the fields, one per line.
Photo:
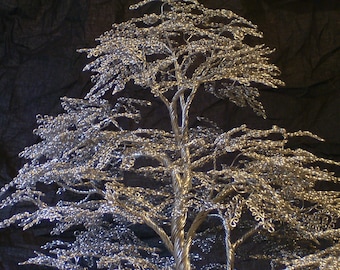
x=39 y=64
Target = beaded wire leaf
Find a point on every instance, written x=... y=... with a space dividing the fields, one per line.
x=188 y=179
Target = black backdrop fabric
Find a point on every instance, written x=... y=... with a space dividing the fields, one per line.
x=39 y=64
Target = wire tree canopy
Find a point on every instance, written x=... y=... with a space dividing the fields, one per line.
x=248 y=181
x=183 y=47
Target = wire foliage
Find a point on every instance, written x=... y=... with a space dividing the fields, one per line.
x=186 y=176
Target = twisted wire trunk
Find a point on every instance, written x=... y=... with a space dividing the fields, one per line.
x=179 y=218
x=181 y=180
x=230 y=252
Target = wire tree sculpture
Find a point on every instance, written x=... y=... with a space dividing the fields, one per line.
x=184 y=180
